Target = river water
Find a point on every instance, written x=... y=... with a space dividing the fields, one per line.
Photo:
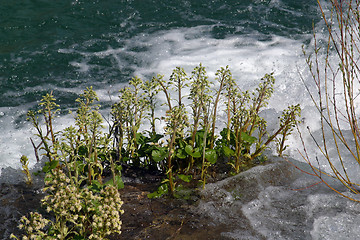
x=66 y=46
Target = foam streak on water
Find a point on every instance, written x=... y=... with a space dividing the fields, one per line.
x=78 y=44
x=67 y=46
x=254 y=38
x=248 y=58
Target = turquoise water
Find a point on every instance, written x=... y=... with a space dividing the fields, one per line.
x=66 y=46
x=33 y=32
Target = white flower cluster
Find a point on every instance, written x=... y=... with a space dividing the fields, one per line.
x=64 y=199
x=177 y=121
x=33 y=227
x=80 y=211
x=107 y=219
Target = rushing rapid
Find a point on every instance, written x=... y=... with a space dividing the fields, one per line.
x=67 y=46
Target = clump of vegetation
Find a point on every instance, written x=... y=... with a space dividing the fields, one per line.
x=335 y=70
x=79 y=213
x=25 y=166
x=79 y=203
x=189 y=146
x=82 y=205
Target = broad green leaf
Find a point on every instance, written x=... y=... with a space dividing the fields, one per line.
x=185 y=178
x=159 y=154
x=192 y=152
x=95 y=186
x=118 y=168
x=211 y=156
x=50 y=166
x=182 y=144
x=228 y=151
x=249 y=139
x=118 y=181
x=182 y=193
x=155 y=138
x=53 y=164
x=196 y=153
x=163 y=189
x=188 y=149
x=180 y=153
x=140 y=138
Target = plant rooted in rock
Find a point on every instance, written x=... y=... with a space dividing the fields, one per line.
x=80 y=205
x=192 y=146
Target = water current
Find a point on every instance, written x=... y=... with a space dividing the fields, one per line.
x=66 y=46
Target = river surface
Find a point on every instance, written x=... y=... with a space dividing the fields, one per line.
x=66 y=46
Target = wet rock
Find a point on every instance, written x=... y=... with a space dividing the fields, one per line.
x=265 y=203
x=16 y=200
x=272 y=201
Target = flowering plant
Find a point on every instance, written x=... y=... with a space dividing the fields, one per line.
x=80 y=213
x=79 y=204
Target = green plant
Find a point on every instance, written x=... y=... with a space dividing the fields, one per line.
x=33 y=227
x=288 y=122
x=209 y=156
x=151 y=90
x=48 y=110
x=194 y=148
x=176 y=120
x=224 y=77
x=80 y=213
x=128 y=114
x=81 y=205
x=25 y=166
x=200 y=96
x=244 y=121
x=335 y=71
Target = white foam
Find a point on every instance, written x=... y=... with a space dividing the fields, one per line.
x=13 y=140
x=17 y=142
x=341 y=226
x=82 y=66
x=248 y=58
x=334 y=217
